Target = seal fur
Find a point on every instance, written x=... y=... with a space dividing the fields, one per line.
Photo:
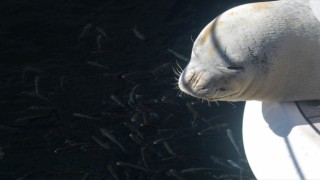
x=268 y=51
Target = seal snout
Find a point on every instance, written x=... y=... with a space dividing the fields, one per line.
x=184 y=82
x=192 y=82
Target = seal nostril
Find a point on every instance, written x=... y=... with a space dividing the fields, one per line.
x=197 y=80
x=191 y=79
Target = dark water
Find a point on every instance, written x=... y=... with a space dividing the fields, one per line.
x=72 y=69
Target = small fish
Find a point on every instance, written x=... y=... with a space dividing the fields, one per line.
x=85 y=176
x=32 y=69
x=36 y=84
x=98 y=65
x=112 y=138
x=62 y=80
x=84 y=31
x=191 y=38
x=179 y=56
x=192 y=110
x=166 y=100
x=27 y=175
x=194 y=170
x=230 y=136
x=210 y=128
x=196 y=114
x=117 y=100
x=123 y=164
x=102 y=32
x=134 y=118
x=232 y=104
x=8 y=128
x=154 y=115
x=1 y=153
x=138 y=34
x=216 y=160
x=161 y=67
x=131 y=95
x=136 y=140
x=112 y=172
x=99 y=42
x=144 y=156
x=229 y=177
x=214 y=118
x=158 y=141
x=174 y=173
x=71 y=146
x=233 y=164
x=41 y=108
x=144 y=117
x=84 y=116
x=141 y=143
x=105 y=145
x=31 y=118
x=169 y=149
x=136 y=75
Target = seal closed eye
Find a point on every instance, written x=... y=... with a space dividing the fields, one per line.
x=235 y=67
x=268 y=51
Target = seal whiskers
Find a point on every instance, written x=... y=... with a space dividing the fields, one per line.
x=260 y=51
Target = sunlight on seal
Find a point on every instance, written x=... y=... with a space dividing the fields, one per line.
x=265 y=51
x=269 y=52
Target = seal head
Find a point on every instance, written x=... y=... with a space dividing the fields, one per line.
x=260 y=51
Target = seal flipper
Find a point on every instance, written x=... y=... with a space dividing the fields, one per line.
x=315 y=6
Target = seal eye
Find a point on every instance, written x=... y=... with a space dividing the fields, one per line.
x=237 y=68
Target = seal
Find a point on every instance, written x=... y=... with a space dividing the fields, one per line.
x=267 y=51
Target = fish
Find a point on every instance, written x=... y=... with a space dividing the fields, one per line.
x=131 y=95
x=112 y=138
x=105 y=145
x=98 y=65
x=138 y=34
x=234 y=164
x=112 y=172
x=124 y=164
x=99 y=42
x=117 y=100
x=230 y=136
x=169 y=149
x=179 y=56
x=85 y=30
x=193 y=170
x=36 y=84
x=144 y=156
x=84 y=116
x=102 y=32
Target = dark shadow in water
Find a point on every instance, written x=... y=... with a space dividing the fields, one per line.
x=282 y=117
x=276 y=115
